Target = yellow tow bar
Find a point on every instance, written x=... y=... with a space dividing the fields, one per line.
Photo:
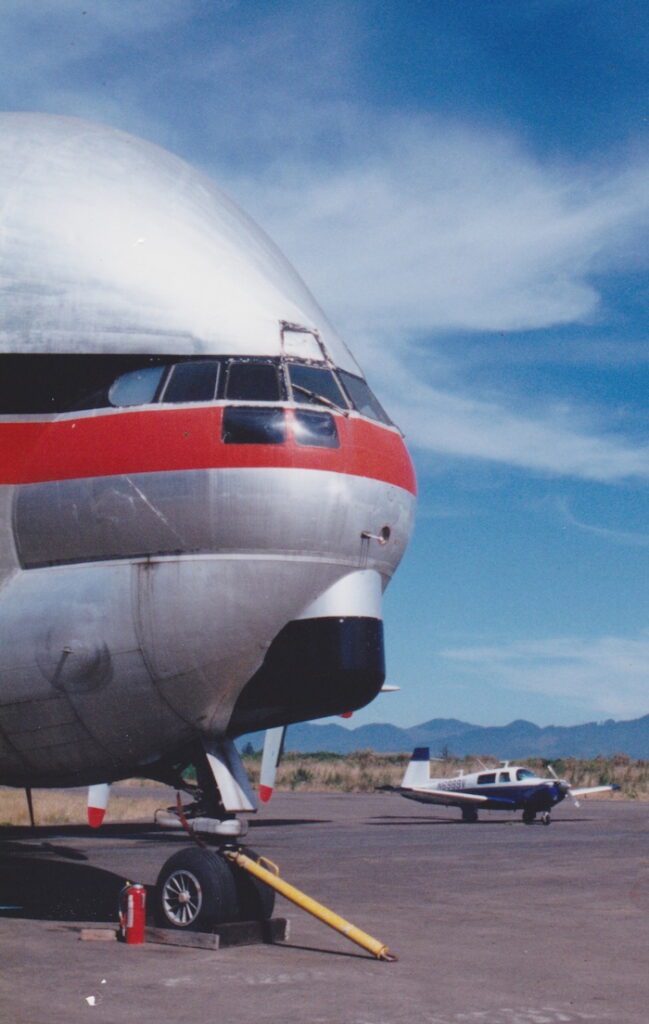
x=270 y=875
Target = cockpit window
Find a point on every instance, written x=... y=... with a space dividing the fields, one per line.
x=253 y=425
x=504 y=777
x=138 y=387
x=315 y=429
x=250 y=381
x=316 y=386
x=362 y=398
x=192 y=382
x=524 y=773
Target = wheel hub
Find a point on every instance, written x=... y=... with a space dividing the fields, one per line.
x=182 y=898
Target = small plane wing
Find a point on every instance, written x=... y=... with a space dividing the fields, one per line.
x=452 y=797
x=592 y=789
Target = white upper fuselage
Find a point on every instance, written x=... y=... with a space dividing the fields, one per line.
x=111 y=244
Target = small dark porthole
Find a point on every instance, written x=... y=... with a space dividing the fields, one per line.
x=315 y=429
x=243 y=425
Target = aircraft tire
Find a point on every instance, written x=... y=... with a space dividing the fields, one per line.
x=469 y=815
x=545 y=818
x=256 y=899
x=529 y=816
x=195 y=891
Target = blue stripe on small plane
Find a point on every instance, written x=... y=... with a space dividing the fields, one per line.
x=420 y=754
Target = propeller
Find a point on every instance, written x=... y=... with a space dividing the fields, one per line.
x=564 y=785
x=97 y=803
x=270 y=758
x=274 y=748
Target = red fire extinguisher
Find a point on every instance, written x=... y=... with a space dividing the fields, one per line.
x=132 y=913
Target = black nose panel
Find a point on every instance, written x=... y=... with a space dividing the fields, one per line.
x=313 y=668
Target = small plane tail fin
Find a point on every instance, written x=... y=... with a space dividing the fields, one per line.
x=418 y=770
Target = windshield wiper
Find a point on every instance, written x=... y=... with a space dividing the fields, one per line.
x=318 y=398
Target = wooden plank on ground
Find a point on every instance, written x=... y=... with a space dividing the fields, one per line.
x=236 y=933
x=98 y=934
x=245 y=933
x=177 y=937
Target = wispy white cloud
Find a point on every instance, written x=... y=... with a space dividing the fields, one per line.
x=605 y=676
x=556 y=439
x=437 y=229
x=631 y=538
x=405 y=226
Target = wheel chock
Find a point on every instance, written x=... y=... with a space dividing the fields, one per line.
x=268 y=872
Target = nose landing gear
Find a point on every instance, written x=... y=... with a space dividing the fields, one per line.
x=469 y=814
x=530 y=816
x=198 y=888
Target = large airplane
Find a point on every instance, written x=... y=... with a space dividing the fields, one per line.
x=507 y=787
x=201 y=499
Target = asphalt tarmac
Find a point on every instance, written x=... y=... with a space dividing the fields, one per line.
x=494 y=923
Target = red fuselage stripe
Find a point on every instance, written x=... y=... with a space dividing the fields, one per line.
x=158 y=440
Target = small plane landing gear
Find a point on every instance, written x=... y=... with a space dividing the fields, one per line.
x=545 y=818
x=529 y=816
x=469 y=814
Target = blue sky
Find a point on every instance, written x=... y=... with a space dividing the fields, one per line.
x=464 y=186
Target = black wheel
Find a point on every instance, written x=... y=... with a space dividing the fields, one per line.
x=256 y=899
x=195 y=890
x=545 y=818
x=469 y=814
x=529 y=816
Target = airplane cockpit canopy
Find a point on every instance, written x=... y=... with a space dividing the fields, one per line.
x=55 y=383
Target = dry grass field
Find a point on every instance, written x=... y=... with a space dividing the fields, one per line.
x=364 y=770
x=361 y=772
x=134 y=800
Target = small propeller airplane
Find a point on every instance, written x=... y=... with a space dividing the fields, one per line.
x=508 y=787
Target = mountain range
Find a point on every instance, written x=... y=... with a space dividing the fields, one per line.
x=519 y=739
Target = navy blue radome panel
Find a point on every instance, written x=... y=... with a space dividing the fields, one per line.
x=313 y=668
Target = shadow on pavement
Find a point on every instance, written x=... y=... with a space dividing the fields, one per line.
x=116 y=830
x=393 y=819
x=34 y=884
x=281 y=822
